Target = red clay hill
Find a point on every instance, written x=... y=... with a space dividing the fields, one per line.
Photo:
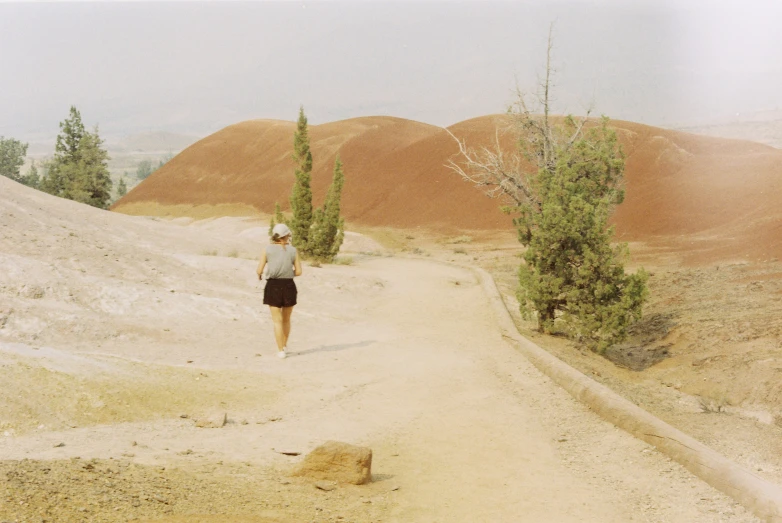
x=714 y=198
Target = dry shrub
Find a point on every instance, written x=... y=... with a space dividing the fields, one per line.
x=461 y=239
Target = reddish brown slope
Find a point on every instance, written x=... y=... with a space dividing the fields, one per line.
x=715 y=198
x=393 y=167
x=250 y=162
x=412 y=188
x=707 y=195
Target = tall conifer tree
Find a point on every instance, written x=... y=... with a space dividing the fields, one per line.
x=12 y=153
x=79 y=170
x=328 y=229
x=301 y=197
x=122 y=189
x=31 y=179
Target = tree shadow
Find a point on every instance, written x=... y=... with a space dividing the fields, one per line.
x=334 y=348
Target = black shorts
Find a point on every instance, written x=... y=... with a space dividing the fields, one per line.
x=280 y=293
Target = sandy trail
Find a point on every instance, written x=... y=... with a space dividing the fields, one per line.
x=402 y=355
x=458 y=420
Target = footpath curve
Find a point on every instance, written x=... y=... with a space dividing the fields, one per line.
x=760 y=496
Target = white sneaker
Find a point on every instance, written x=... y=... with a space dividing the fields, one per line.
x=281 y=354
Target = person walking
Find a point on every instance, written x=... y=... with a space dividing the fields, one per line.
x=280 y=293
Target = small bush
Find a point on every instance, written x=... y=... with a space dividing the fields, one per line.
x=712 y=406
x=314 y=263
x=233 y=254
x=209 y=253
x=460 y=250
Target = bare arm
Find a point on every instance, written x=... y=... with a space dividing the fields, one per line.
x=261 y=265
x=297 y=265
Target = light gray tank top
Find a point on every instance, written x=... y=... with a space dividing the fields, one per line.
x=279 y=262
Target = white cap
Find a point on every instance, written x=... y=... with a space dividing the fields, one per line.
x=281 y=230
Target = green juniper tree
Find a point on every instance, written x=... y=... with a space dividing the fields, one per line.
x=144 y=169
x=328 y=228
x=31 y=179
x=571 y=268
x=79 y=170
x=94 y=183
x=563 y=182
x=122 y=189
x=66 y=152
x=301 y=196
x=12 y=153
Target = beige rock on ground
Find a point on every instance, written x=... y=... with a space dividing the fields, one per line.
x=337 y=461
x=215 y=420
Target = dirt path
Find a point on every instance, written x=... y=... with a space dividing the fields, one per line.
x=402 y=355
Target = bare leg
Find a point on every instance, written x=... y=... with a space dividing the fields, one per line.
x=279 y=333
x=286 y=323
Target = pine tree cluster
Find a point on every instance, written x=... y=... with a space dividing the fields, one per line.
x=317 y=234
x=79 y=170
x=12 y=153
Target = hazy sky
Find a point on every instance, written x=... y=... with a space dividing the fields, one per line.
x=198 y=66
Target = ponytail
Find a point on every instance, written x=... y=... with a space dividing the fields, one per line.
x=276 y=239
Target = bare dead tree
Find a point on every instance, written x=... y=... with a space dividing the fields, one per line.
x=571 y=274
x=509 y=175
x=498 y=172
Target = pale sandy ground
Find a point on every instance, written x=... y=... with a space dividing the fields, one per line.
x=114 y=327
